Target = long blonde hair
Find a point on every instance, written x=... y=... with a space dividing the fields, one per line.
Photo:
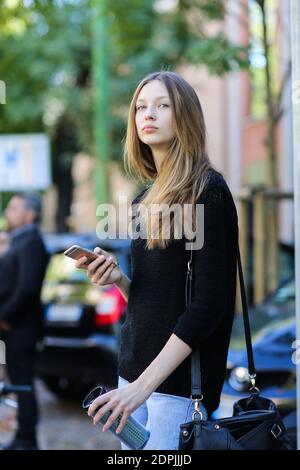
x=183 y=172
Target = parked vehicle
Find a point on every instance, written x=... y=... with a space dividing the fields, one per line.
x=81 y=320
x=273 y=333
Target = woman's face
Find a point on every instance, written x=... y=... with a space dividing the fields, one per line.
x=153 y=116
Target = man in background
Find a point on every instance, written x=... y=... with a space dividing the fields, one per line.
x=22 y=270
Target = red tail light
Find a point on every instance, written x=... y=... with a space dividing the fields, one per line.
x=111 y=307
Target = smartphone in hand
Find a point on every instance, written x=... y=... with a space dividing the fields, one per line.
x=76 y=252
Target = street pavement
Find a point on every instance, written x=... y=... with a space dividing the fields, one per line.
x=63 y=425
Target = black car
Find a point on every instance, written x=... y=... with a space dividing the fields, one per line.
x=273 y=329
x=81 y=320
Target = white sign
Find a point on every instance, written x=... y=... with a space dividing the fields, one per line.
x=2 y=92
x=2 y=353
x=24 y=162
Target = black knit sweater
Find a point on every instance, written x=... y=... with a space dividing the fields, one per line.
x=156 y=302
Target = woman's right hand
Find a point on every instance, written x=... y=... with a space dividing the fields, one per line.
x=101 y=272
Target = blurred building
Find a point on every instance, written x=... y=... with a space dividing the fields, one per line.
x=84 y=204
x=235 y=111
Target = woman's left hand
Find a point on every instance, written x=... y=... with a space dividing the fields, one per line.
x=121 y=401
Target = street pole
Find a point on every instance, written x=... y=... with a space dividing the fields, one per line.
x=295 y=49
x=100 y=96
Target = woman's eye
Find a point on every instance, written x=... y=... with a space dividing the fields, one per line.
x=140 y=107
x=164 y=105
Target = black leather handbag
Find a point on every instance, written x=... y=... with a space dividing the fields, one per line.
x=256 y=423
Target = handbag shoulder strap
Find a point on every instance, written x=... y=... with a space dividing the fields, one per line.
x=247 y=331
x=196 y=388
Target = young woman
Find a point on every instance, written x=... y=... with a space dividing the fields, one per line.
x=166 y=145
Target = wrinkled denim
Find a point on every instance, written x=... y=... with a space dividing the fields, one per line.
x=162 y=414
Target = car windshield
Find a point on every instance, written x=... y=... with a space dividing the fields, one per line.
x=278 y=307
x=285 y=295
x=66 y=284
x=62 y=269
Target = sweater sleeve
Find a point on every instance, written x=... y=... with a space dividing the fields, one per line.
x=211 y=280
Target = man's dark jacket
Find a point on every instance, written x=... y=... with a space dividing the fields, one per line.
x=22 y=271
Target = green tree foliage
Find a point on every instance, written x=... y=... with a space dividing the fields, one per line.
x=45 y=60
x=147 y=36
x=45 y=50
x=45 y=63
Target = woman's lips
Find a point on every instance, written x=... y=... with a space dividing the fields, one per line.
x=149 y=129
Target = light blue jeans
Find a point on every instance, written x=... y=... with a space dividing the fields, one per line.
x=162 y=414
